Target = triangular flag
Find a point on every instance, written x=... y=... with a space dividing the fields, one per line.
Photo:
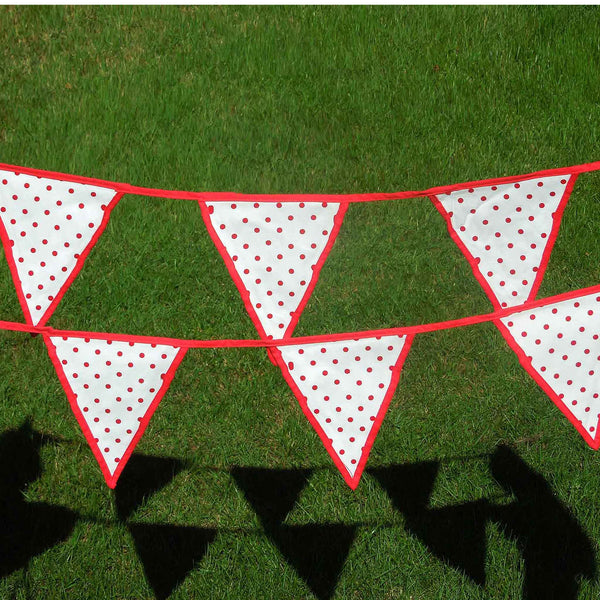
x=344 y=388
x=507 y=231
x=113 y=387
x=559 y=346
x=48 y=228
x=274 y=252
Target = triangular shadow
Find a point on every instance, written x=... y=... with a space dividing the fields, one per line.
x=317 y=552
x=169 y=552
x=27 y=528
x=272 y=493
x=454 y=534
x=142 y=477
x=409 y=486
x=556 y=550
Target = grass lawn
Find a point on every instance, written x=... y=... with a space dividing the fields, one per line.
x=477 y=486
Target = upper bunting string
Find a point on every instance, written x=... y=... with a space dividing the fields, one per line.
x=126 y=188
x=274 y=246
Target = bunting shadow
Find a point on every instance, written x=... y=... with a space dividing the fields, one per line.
x=556 y=550
x=169 y=553
x=317 y=552
x=142 y=477
x=272 y=493
x=454 y=534
x=27 y=528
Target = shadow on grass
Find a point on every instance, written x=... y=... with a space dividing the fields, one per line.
x=169 y=552
x=317 y=552
x=556 y=550
x=27 y=529
x=142 y=477
x=454 y=534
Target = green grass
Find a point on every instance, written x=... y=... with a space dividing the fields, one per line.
x=299 y=100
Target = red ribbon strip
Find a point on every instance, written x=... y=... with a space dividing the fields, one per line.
x=126 y=188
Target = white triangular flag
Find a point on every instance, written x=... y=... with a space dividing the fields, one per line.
x=344 y=388
x=48 y=228
x=559 y=346
x=274 y=252
x=507 y=231
x=113 y=387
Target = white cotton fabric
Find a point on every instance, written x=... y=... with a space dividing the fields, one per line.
x=344 y=383
x=49 y=224
x=275 y=248
x=114 y=385
x=506 y=228
x=563 y=342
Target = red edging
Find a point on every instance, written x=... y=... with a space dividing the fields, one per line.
x=525 y=361
x=245 y=294
x=127 y=188
x=111 y=480
x=556 y=218
x=352 y=481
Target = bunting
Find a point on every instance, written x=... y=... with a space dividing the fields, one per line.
x=48 y=228
x=559 y=346
x=274 y=253
x=113 y=387
x=274 y=248
x=344 y=388
x=507 y=231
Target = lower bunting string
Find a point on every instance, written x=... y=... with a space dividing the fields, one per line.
x=343 y=382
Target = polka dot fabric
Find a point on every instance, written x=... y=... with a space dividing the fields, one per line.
x=114 y=388
x=344 y=388
x=559 y=345
x=274 y=252
x=50 y=226
x=504 y=231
